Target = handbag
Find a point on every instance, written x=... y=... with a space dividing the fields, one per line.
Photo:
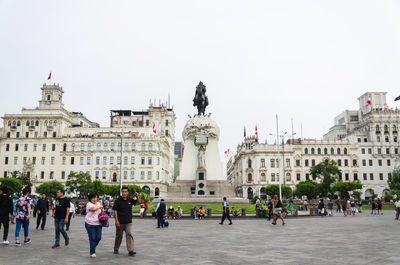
x=103 y=219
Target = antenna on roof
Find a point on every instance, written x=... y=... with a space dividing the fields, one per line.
x=169 y=101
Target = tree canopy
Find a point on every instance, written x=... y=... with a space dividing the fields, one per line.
x=14 y=185
x=271 y=190
x=327 y=171
x=49 y=188
x=307 y=188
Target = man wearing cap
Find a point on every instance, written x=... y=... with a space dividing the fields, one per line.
x=160 y=210
x=225 y=213
x=6 y=209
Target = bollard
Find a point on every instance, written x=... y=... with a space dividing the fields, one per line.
x=209 y=213
x=257 y=212
x=243 y=212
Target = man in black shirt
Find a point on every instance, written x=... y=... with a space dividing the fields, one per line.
x=123 y=220
x=6 y=210
x=60 y=215
x=42 y=207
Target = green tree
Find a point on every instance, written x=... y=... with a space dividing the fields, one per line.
x=49 y=188
x=14 y=185
x=271 y=190
x=327 y=171
x=394 y=180
x=80 y=183
x=112 y=190
x=357 y=195
x=307 y=188
x=98 y=187
x=344 y=187
x=26 y=181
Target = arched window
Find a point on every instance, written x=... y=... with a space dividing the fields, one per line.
x=306 y=151
x=119 y=146
x=14 y=123
x=386 y=128
x=312 y=151
x=37 y=123
x=263 y=177
x=249 y=163
x=345 y=151
x=112 y=147
x=126 y=147
x=158 y=147
x=105 y=147
x=19 y=123
x=319 y=151
x=377 y=128
x=143 y=147
x=156 y=192
x=27 y=123
x=9 y=123
x=48 y=97
x=394 y=128
x=98 y=147
x=64 y=147
x=332 y=151
x=150 y=147
x=288 y=177
x=200 y=192
x=82 y=147
x=249 y=177
x=133 y=147
x=89 y=147
x=325 y=151
x=73 y=147
x=338 y=151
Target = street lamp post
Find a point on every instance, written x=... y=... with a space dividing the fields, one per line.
x=120 y=166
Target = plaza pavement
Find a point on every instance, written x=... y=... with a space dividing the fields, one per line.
x=363 y=239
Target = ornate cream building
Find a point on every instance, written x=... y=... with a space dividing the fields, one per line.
x=49 y=142
x=363 y=142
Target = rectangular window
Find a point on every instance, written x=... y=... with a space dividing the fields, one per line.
x=132 y=175
x=298 y=177
x=34 y=160
x=97 y=160
x=17 y=135
x=396 y=151
x=339 y=162
x=388 y=151
x=125 y=174
x=346 y=163
x=6 y=160
x=273 y=163
x=53 y=147
x=365 y=176
x=354 y=162
x=27 y=135
x=388 y=162
x=125 y=160
x=158 y=161
x=380 y=162
x=149 y=160
x=44 y=147
x=307 y=176
x=142 y=175
x=118 y=160
x=81 y=160
x=16 y=147
x=72 y=160
x=26 y=147
x=158 y=175
x=142 y=161
x=15 y=160
x=42 y=175
x=369 y=150
x=5 y=174
x=272 y=176
x=51 y=174
x=262 y=162
x=104 y=160
x=379 y=151
x=166 y=123
x=355 y=175
x=35 y=147
x=306 y=162
x=52 y=160
x=54 y=134
x=132 y=160
x=346 y=175
x=364 y=163
x=380 y=176
x=111 y=160
x=24 y=159
x=88 y=160
x=166 y=133
x=363 y=151
x=149 y=175
x=45 y=134
x=297 y=162
x=43 y=160
x=104 y=174
x=7 y=147
x=64 y=160
x=365 y=140
x=370 y=163
x=287 y=162
x=371 y=176
x=340 y=176
x=313 y=162
x=97 y=174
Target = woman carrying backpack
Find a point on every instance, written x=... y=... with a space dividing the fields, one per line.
x=92 y=222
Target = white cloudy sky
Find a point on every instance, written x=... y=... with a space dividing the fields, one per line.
x=306 y=60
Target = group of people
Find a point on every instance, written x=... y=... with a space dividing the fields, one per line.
x=23 y=207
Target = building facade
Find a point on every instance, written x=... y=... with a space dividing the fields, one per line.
x=48 y=143
x=363 y=142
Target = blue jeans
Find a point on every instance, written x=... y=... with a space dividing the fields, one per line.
x=59 y=226
x=25 y=225
x=94 y=233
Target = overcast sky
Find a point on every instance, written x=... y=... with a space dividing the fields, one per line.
x=306 y=60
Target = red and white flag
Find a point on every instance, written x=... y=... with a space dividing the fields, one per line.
x=369 y=100
x=227 y=152
x=256 y=130
x=154 y=128
x=48 y=78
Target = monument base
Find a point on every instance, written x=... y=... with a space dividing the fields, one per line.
x=184 y=191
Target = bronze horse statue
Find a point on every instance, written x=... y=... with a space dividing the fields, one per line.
x=200 y=99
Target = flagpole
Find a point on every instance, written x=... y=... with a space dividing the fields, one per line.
x=277 y=146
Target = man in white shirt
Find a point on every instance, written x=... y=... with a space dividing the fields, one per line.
x=71 y=214
x=397 y=208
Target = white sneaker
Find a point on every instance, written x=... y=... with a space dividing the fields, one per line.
x=93 y=256
x=5 y=242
